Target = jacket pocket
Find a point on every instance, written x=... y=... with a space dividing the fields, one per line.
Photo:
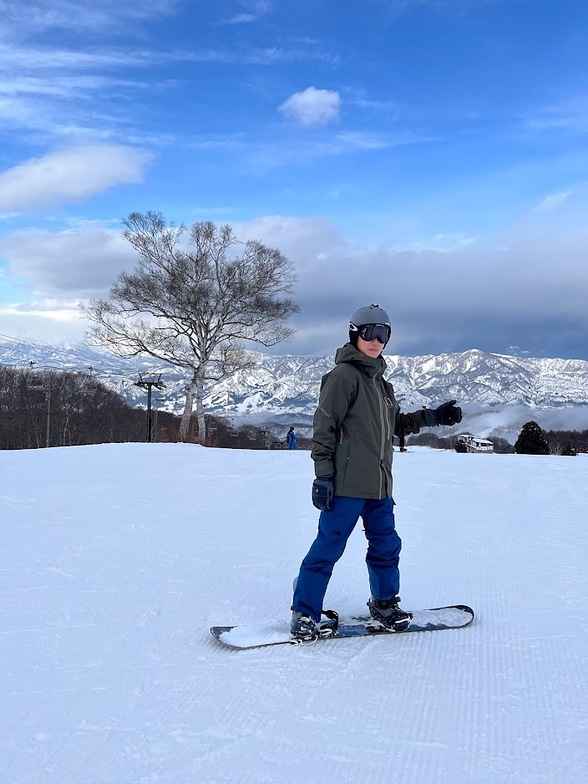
x=342 y=458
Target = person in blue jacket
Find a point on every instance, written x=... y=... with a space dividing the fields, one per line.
x=292 y=439
x=353 y=434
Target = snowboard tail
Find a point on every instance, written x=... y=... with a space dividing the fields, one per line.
x=259 y=636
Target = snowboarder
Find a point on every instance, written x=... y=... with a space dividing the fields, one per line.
x=292 y=439
x=353 y=432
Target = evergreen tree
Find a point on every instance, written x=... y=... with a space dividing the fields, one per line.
x=531 y=441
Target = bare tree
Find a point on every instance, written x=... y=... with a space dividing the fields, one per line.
x=194 y=303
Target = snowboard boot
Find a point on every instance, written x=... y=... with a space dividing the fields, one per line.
x=303 y=628
x=389 y=614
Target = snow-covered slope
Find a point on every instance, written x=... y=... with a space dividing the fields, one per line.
x=116 y=559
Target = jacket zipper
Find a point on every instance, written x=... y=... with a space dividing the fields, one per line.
x=382 y=433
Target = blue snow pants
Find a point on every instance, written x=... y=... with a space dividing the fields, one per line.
x=335 y=527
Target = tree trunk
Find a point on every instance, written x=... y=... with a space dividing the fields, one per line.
x=200 y=411
x=187 y=413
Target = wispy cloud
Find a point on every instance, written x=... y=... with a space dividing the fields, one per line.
x=86 y=16
x=222 y=142
x=59 y=93
x=59 y=105
x=369 y=140
x=273 y=55
x=259 y=156
x=369 y=103
x=18 y=59
x=65 y=73
x=441 y=243
x=254 y=9
x=552 y=202
x=396 y=9
x=567 y=116
x=61 y=71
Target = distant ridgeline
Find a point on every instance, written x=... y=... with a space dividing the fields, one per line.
x=53 y=407
x=283 y=390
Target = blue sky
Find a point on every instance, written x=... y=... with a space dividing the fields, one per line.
x=429 y=155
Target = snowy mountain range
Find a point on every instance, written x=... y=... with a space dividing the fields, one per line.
x=498 y=392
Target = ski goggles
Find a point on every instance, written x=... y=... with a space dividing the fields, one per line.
x=368 y=332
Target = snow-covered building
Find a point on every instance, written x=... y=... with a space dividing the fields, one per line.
x=473 y=444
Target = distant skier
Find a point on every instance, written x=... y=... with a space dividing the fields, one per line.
x=354 y=427
x=292 y=439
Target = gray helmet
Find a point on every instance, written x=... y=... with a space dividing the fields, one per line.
x=370 y=314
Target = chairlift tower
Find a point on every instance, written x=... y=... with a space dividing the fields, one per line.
x=148 y=384
x=46 y=388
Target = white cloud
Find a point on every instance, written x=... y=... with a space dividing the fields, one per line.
x=312 y=106
x=446 y=294
x=47 y=321
x=76 y=263
x=69 y=176
x=49 y=310
x=301 y=239
x=460 y=292
x=58 y=270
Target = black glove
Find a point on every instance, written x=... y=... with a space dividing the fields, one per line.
x=323 y=491
x=445 y=414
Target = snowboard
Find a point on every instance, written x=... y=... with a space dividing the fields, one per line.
x=262 y=635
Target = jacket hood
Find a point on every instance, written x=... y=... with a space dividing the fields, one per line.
x=368 y=365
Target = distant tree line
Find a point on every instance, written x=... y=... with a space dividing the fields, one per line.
x=567 y=442
x=56 y=408
x=532 y=440
x=40 y=408
x=501 y=445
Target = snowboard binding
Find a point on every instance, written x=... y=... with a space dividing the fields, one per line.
x=326 y=628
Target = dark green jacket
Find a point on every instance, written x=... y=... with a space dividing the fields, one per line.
x=355 y=424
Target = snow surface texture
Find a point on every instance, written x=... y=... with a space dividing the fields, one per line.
x=117 y=559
